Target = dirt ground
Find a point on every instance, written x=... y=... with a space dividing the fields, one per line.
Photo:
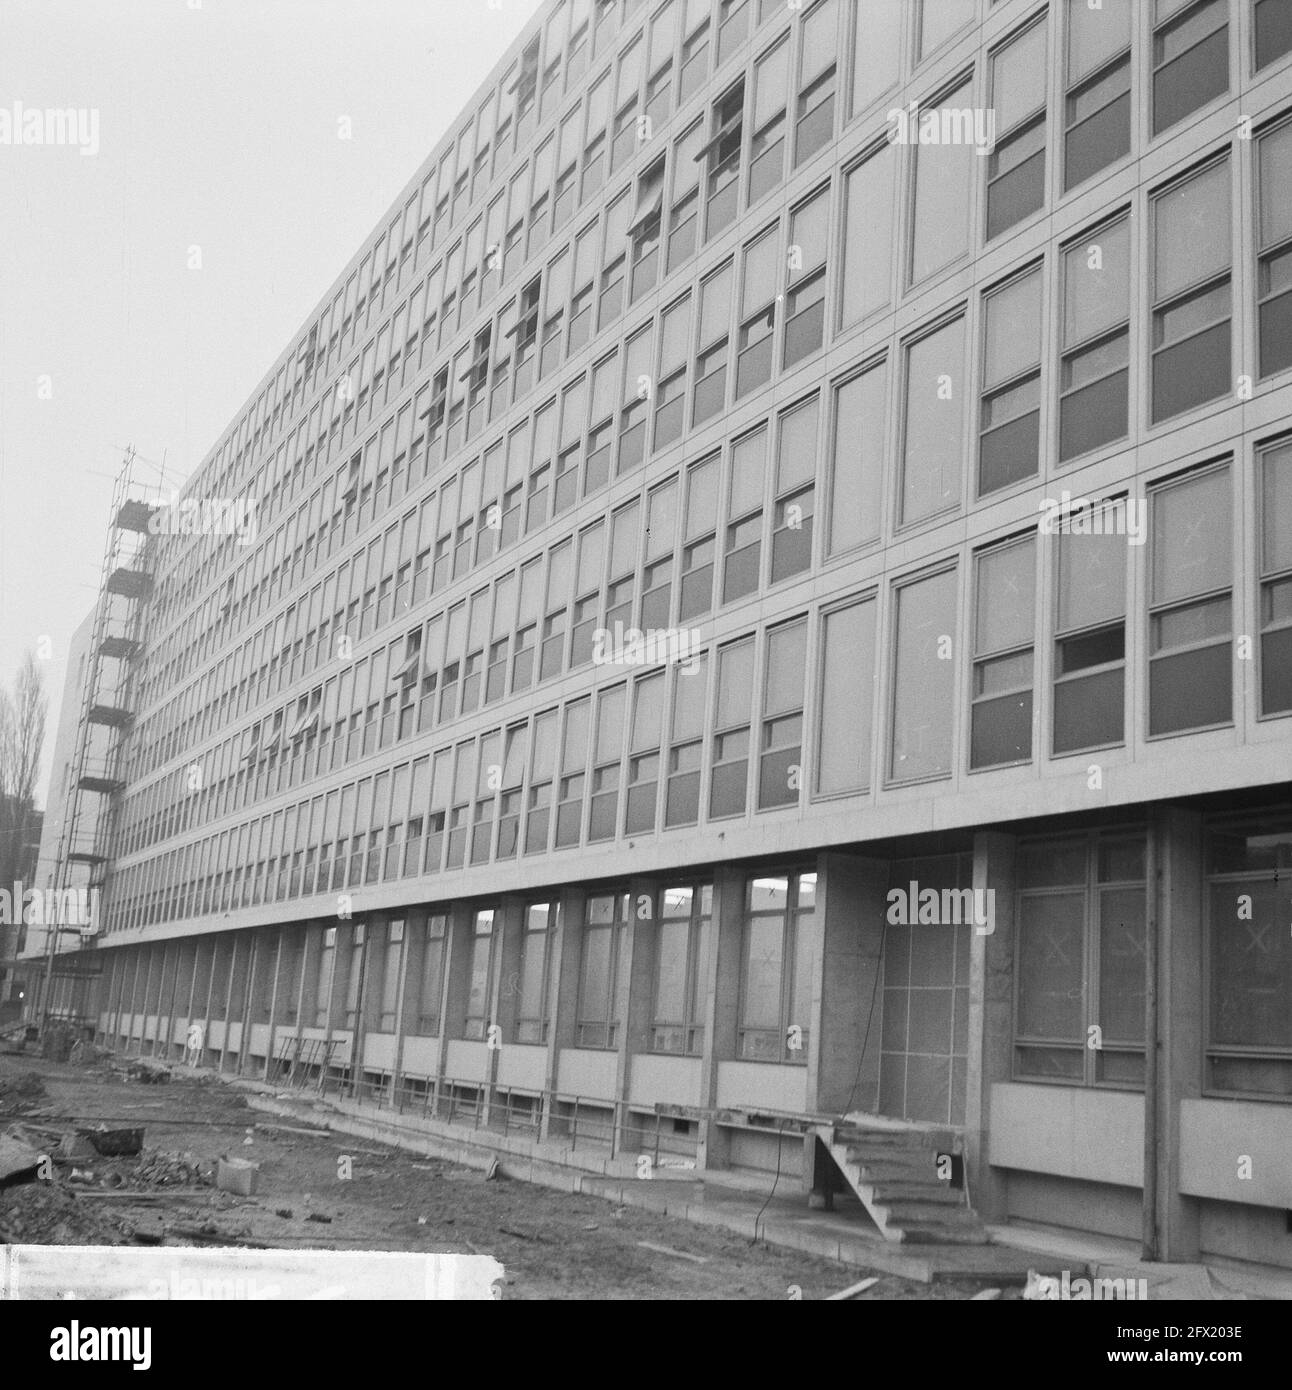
x=552 y=1244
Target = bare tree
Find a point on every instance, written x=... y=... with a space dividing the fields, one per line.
x=22 y=738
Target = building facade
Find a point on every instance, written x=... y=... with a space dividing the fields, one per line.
x=770 y=595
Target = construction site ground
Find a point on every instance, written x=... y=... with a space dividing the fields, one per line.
x=552 y=1244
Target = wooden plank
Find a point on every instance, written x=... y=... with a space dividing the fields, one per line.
x=852 y=1290
x=676 y=1254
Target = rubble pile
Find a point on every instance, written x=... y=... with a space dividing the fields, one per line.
x=160 y=1168
x=22 y=1095
x=44 y=1213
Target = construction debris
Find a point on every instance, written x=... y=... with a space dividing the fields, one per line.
x=852 y=1290
x=237 y=1175
x=22 y=1094
x=676 y=1254
x=18 y=1160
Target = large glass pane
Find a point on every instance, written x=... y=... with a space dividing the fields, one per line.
x=934 y=423
x=924 y=678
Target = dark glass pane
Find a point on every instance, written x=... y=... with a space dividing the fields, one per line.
x=722 y=209
x=1273 y=30
x=1276 y=672
x=1009 y=453
x=754 y=366
x=668 y=421
x=697 y=593
x=1191 y=81
x=1088 y=712
x=791 y=551
x=1097 y=141
x=1015 y=195
x=710 y=395
x=683 y=799
x=727 y=797
x=815 y=130
x=804 y=332
x=1276 y=333
x=765 y=171
x=741 y=575
x=1093 y=415
x=1192 y=372
x=1002 y=730
x=774 y=787
x=641 y=809
x=632 y=447
x=1093 y=649
x=1191 y=690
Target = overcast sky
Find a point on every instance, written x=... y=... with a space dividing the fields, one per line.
x=217 y=127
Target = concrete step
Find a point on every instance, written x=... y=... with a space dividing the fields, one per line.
x=942 y=1142
x=918 y=1161
x=939 y=1194
x=906 y=1213
x=930 y=1233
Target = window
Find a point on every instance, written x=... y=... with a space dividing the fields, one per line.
x=876 y=49
x=733 y=27
x=509 y=801
x=1095 y=338
x=932 y=444
x=742 y=562
x=1276 y=579
x=594 y=140
x=674 y=355
x=699 y=540
x=758 y=312
x=722 y=161
x=1016 y=165
x=1249 y=960
x=1004 y=627
x=538 y=814
x=605 y=929
x=806 y=280
x=634 y=402
x=608 y=743
x=923 y=696
x=856 y=466
x=795 y=497
x=944 y=176
x=430 y=976
x=587 y=594
x=659 y=82
x=767 y=141
x=1190 y=58
x=847 y=699
x=1191 y=294
x=657 y=566
x=778 y=968
x=684 y=202
x=1097 y=101
x=1273 y=22
x=729 y=779
x=681 y=968
x=939 y=20
x=1191 y=574
x=481 y=973
x=1274 y=238
x=610 y=301
x=686 y=743
x=711 y=362
x=1009 y=438
x=1089 y=640
x=695 y=47
x=818 y=70
x=869 y=202
x=556 y=610
x=645 y=231
x=627 y=86
x=643 y=755
x=780 y=768
x=1081 y=942
x=532 y=1013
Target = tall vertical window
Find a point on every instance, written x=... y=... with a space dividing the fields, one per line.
x=876 y=49
x=686 y=743
x=1016 y=165
x=684 y=201
x=674 y=356
x=1095 y=340
x=869 y=203
x=795 y=497
x=711 y=361
x=743 y=549
x=780 y=763
x=940 y=20
x=1273 y=23
x=645 y=231
x=806 y=279
x=934 y=424
x=587 y=594
x=857 y=461
x=767 y=140
x=818 y=78
x=531 y=1015
x=944 y=176
x=695 y=47
x=1249 y=957
x=778 y=968
x=1190 y=671
x=556 y=621
x=1004 y=634
x=430 y=977
x=1089 y=641
x=733 y=27
x=605 y=928
x=1097 y=100
x=643 y=754
x=1009 y=439
x=923 y=696
x=538 y=813
x=1276 y=579
x=1274 y=246
x=509 y=798
x=657 y=563
x=608 y=744
x=729 y=778
x=574 y=767
x=722 y=161
x=756 y=344
x=480 y=989
x=699 y=540
x=659 y=81
x=1191 y=292
x=1190 y=57
x=846 y=694
x=681 y=968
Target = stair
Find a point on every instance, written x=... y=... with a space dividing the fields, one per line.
x=894 y=1173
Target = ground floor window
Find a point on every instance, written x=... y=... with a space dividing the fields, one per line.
x=605 y=927
x=1080 y=965
x=681 y=967
x=1249 y=956
x=778 y=954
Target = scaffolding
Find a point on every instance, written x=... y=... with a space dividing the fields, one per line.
x=98 y=771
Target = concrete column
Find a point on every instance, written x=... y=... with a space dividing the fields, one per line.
x=564 y=943
x=122 y=973
x=635 y=1005
x=456 y=986
x=279 y=935
x=151 y=953
x=1180 y=1041
x=991 y=1017
x=721 y=1007
x=852 y=896
x=177 y=949
x=505 y=1005
x=231 y=942
x=410 y=972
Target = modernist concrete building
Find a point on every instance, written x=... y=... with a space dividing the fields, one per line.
x=953 y=444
